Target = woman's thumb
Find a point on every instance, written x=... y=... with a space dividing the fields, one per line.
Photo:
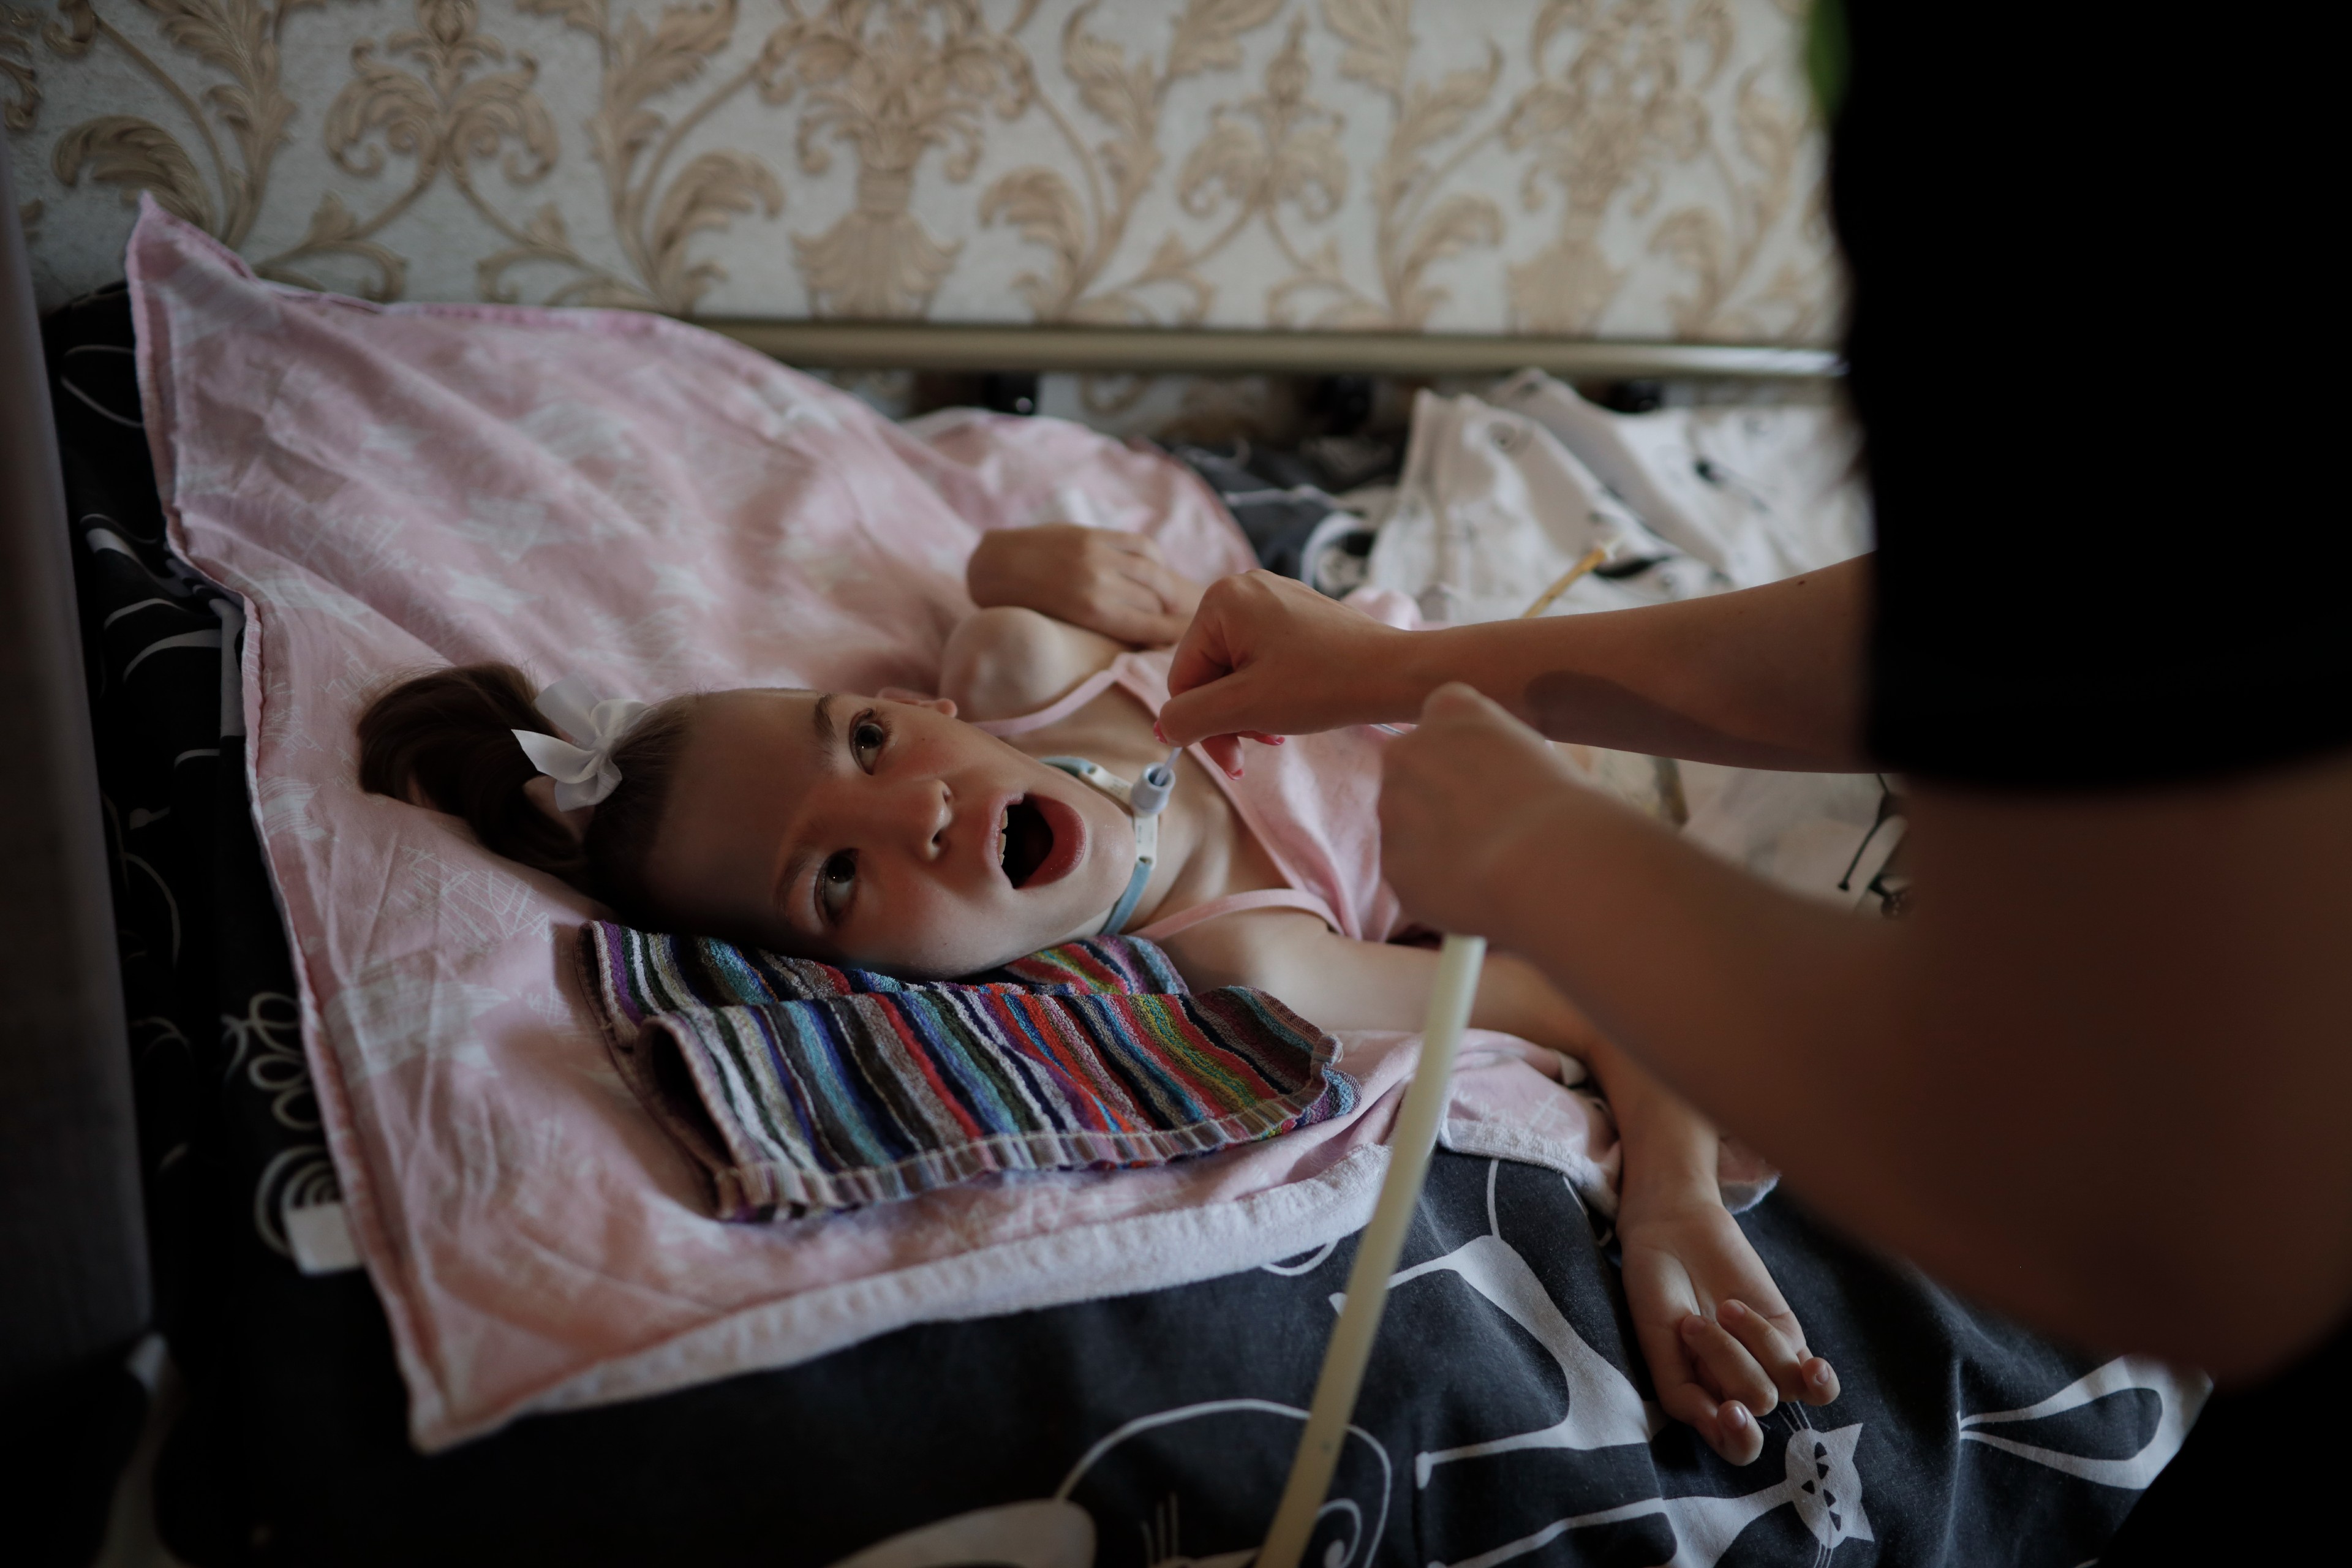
x=1205 y=711
x=1456 y=700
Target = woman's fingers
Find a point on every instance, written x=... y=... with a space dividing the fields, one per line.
x=1225 y=751
x=1269 y=653
x=1726 y=1363
x=1456 y=796
x=1205 y=677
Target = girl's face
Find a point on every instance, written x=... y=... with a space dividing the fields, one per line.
x=887 y=835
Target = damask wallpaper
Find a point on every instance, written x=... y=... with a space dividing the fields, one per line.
x=1618 y=168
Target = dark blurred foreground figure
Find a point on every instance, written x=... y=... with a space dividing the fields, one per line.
x=2103 y=1077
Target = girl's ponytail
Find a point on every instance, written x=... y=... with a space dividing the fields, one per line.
x=446 y=741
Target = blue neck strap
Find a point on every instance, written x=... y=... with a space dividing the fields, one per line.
x=1143 y=801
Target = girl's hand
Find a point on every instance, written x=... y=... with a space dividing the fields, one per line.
x=1456 y=795
x=1722 y=1345
x=1098 y=578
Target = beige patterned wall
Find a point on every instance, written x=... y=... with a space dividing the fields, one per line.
x=1620 y=168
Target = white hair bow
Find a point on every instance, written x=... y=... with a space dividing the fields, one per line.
x=583 y=774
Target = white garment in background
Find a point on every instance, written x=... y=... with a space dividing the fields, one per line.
x=1491 y=508
x=1499 y=496
x=1828 y=834
x=1759 y=493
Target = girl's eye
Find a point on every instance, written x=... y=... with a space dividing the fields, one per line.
x=865 y=738
x=837 y=880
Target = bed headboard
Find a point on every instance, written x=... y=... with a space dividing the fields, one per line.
x=1599 y=187
x=73 y=1250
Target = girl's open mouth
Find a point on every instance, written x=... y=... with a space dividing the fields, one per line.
x=1039 y=841
x=1025 y=842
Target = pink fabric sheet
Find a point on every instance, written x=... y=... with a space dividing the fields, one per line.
x=392 y=488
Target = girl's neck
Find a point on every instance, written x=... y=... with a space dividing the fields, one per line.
x=1206 y=851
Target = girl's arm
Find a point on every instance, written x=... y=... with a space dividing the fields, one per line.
x=1722 y=1344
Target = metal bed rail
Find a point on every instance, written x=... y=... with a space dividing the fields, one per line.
x=935 y=346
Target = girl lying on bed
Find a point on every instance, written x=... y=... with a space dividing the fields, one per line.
x=923 y=836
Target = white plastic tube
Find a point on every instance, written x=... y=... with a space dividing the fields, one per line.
x=1342 y=1377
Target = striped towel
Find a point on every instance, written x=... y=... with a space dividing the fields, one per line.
x=798 y=1086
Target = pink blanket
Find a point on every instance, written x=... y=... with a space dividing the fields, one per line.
x=615 y=493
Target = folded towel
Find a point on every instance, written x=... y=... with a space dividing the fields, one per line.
x=798 y=1086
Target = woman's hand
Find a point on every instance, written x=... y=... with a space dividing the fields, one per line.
x=1267 y=656
x=1456 y=795
x=1107 y=582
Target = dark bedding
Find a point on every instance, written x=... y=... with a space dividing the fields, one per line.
x=1139 y=1430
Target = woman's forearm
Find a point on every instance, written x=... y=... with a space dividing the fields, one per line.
x=1764 y=678
x=1934 y=1083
